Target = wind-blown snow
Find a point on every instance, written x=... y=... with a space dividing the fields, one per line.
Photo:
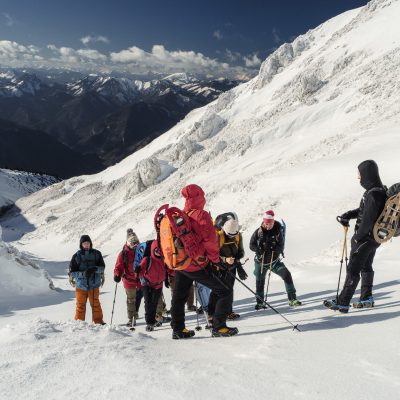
x=290 y=139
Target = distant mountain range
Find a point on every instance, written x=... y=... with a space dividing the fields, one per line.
x=94 y=120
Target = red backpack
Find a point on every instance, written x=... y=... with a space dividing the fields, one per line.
x=179 y=243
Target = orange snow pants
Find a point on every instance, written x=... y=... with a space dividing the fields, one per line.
x=81 y=299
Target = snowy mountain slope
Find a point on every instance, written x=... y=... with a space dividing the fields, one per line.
x=16 y=184
x=291 y=140
x=330 y=103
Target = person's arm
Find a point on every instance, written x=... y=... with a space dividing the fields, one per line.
x=240 y=248
x=253 y=242
x=350 y=214
x=370 y=215
x=73 y=265
x=209 y=236
x=119 y=265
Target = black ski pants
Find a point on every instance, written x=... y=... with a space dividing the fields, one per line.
x=360 y=263
x=229 y=279
x=184 y=281
x=151 y=297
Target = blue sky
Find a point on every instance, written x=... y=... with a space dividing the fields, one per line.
x=188 y=34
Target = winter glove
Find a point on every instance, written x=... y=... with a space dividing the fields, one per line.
x=89 y=272
x=343 y=220
x=166 y=282
x=71 y=280
x=102 y=279
x=117 y=278
x=242 y=273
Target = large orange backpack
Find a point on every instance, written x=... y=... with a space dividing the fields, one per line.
x=179 y=243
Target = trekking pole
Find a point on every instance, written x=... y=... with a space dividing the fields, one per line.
x=265 y=302
x=198 y=327
x=269 y=275
x=115 y=294
x=344 y=251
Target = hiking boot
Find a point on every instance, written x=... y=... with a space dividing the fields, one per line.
x=294 y=303
x=331 y=304
x=224 y=332
x=368 y=303
x=200 y=310
x=182 y=334
x=191 y=308
x=158 y=324
x=232 y=316
x=260 y=306
x=149 y=328
x=166 y=319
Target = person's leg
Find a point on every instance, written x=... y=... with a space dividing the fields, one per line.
x=281 y=270
x=359 y=258
x=151 y=305
x=139 y=297
x=160 y=307
x=221 y=290
x=190 y=301
x=230 y=281
x=367 y=277
x=259 y=273
x=183 y=283
x=94 y=299
x=131 y=304
x=81 y=298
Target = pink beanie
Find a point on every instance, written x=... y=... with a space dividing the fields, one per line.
x=268 y=216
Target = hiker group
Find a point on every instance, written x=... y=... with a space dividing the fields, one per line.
x=195 y=256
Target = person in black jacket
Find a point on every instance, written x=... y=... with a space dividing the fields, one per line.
x=230 y=243
x=363 y=244
x=268 y=243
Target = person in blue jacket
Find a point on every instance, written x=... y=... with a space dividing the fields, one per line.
x=86 y=274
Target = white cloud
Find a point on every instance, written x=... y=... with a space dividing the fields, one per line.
x=218 y=35
x=252 y=60
x=12 y=51
x=133 y=60
x=93 y=39
x=10 y=21
x=161 y=59
x=233 y=56
x=72 y=56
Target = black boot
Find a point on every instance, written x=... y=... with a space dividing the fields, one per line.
x=182 y=334
x=367 y=281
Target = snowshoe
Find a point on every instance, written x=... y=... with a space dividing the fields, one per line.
x=149 y=328
x=368 y=303
x=294 y=303
x=260 y=306
x=232 y=316
x=224 y=332
x=331 y=304
x=183 y=334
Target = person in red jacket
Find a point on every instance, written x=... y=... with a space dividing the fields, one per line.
x=124 y=269
x=206 y=273
x=152 y=274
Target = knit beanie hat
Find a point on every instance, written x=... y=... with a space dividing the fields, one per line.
x=268 y=216
x=131 y=237
x=231 y=227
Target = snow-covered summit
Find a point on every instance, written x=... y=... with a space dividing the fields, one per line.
x=13 y=84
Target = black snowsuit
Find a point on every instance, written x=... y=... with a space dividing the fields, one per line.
x=363 y=244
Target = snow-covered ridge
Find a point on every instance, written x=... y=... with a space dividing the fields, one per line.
x=318 y=114
x=16 y=184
